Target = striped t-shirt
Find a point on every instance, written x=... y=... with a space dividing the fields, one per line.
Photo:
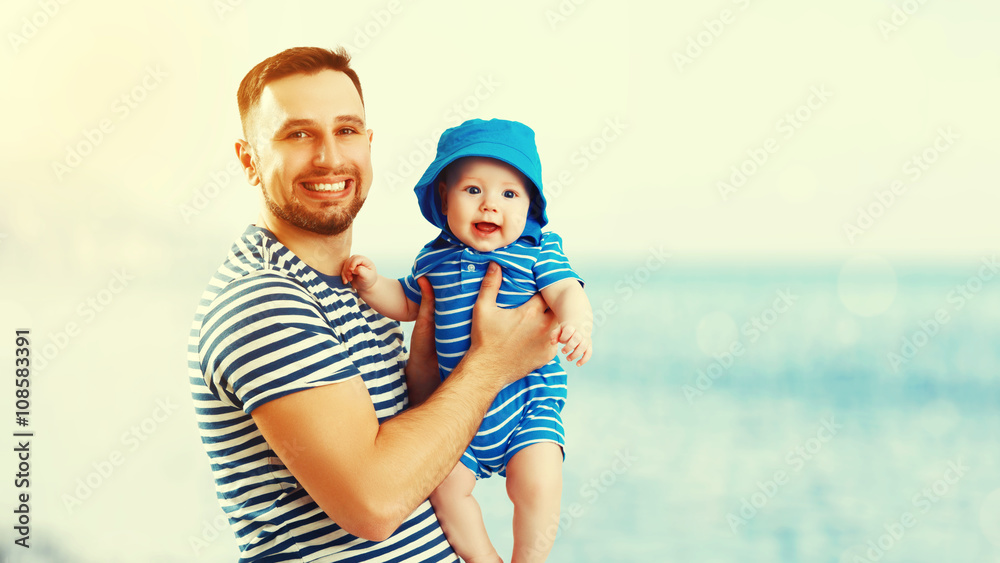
x=268 y=325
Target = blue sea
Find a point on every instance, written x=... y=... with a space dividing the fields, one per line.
x=814 y=444
x=830 y=413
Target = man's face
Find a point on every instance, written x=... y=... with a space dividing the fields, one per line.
x=310 y=152
x=486 y=202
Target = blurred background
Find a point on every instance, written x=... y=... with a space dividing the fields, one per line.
x=785 y=213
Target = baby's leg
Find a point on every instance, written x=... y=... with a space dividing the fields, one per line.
x=534 y=485
x=460 y=517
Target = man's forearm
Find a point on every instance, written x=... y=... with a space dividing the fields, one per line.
x=371 y=476
x=419 y=447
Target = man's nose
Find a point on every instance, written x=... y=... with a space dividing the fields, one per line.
x=327 y=153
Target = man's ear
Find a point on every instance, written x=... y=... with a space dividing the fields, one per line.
x=245 y=153
x=442 y=193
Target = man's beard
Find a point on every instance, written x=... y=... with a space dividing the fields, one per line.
x=320 y=223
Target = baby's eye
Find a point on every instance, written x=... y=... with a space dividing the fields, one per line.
x=472 y=190
x=509 y=194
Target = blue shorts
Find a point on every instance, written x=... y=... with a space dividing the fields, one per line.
x=504 y=433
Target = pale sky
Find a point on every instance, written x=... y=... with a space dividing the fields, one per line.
x=678 y=106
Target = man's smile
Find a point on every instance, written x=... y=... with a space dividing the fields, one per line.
x=325 y=187
x=328 y=187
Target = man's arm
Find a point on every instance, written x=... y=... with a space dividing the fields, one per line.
x=369 y=477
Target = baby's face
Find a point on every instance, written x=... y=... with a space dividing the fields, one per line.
x=486 y=202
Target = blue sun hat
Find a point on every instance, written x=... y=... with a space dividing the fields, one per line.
x=510 y=141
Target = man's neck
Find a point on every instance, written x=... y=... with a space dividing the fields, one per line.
x=324 y=253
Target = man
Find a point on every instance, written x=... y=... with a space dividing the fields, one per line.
x=298 y=386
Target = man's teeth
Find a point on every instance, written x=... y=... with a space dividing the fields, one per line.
x=326 y=187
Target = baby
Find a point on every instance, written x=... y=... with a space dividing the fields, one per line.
x=484 y=190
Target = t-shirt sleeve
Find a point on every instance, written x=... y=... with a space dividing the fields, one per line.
x=552 y=265
x=265 y=337
x=409 y=283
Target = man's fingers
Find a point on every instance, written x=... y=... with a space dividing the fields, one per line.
x=426 y=310
x=422 y=338
x=537 y=303
x=538 y=306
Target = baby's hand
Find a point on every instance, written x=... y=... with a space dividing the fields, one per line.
x=577 y=343
x=360 y=272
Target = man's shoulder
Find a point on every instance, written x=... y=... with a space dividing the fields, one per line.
x=257 y=269
x=257 y=251
x=258 y=257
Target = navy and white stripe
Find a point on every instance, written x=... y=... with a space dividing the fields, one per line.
x=269 y=325
x=526 y=411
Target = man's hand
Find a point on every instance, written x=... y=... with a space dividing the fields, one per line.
x=360 y=272
x=422 y=367
x=520 y=340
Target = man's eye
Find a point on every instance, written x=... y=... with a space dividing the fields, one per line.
x=509 y=194
x=347 y=131
x=297 y=135
x=473 y=190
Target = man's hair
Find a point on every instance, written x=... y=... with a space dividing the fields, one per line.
x=297 y=60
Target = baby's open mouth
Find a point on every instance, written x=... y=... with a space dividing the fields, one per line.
x=486 y=228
